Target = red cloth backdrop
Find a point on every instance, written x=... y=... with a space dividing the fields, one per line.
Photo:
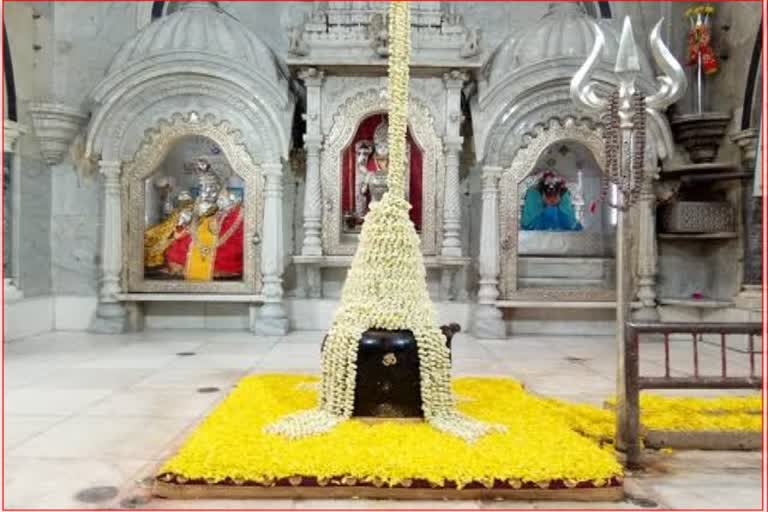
x=365 y=132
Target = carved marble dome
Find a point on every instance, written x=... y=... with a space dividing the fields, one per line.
x=565 y=32
x=201 y=27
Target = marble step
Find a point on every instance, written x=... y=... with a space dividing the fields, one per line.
x=565 y=268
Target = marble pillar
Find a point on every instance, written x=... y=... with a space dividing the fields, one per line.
x=488 y=321
x=451 y=245
x=12 y=131
x=110 y=316
x=647 y=256
x=313 y=140
x=452 y=142
x=750 y=296
x=272 y=319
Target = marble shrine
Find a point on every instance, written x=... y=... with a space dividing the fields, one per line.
x=573 y=170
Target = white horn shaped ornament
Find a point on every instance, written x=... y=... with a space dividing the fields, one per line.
x=582 y=91
x=672 y=82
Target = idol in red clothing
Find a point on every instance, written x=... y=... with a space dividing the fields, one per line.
x=203 y=240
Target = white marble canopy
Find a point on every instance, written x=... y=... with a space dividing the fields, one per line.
x=566 y=31
x=198 y=59
x=522 y=106
x=526 y=82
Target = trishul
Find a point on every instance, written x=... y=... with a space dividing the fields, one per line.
x=626 y=110
x=625 y=102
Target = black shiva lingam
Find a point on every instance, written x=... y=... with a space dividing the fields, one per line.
x=388 y=382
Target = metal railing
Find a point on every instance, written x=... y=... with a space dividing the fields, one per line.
x=628 y=410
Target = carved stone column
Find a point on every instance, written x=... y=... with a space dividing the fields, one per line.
x=12 y=131
x=488 y=321
x=313 y=140
x=312 y=243
x=452 y=142
x=647 y=267
x=110 y=315
x=273 y=319
x=750 y=296
x=452 y=203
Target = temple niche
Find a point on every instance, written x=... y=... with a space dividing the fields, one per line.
x=339 y=53
x=193 y=167
x=566 y=231
x=547 y=235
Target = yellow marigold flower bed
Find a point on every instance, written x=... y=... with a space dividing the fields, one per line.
x=658 y=412
x=739 y=413
x=541 y=442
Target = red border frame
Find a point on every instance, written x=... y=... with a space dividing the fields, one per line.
x=764 y=159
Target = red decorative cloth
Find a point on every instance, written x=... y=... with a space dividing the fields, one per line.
x=229 y=256
x=699 y=43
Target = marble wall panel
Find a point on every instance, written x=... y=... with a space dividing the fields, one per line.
x=270 y=20
x=75 y=232
x=88 y=34
x=34 y=265
x=706 y=266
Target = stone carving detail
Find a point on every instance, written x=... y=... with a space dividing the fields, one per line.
x=523 y=163
x=697 y=217
x=55 y=126
x=342 y=131
x=379 y=34
x=471 y=44
x=121 y=119
x=337 y=91
x=296 y=44
x=360 y=30
x=701 y=134
x=151 y=153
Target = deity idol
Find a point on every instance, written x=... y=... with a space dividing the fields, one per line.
x=548 y=206
x=201 y=240
x=371 y=170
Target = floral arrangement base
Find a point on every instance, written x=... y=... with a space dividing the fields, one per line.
x=548 y=452
x=309 y=489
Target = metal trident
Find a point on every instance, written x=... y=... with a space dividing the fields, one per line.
x=627 y=108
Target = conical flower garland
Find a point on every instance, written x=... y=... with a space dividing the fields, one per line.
x=386 y=286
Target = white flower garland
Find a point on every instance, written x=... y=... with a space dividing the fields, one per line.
x=386 y=287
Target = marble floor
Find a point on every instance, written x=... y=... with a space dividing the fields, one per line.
x=88 y=418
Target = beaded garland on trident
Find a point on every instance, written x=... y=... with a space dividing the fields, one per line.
x=386 y=288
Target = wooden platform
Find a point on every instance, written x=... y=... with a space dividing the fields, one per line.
x=189 y=491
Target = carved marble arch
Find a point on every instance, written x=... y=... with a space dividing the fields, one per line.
x=156 y=145
x=341 y=134
x=535 y=143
